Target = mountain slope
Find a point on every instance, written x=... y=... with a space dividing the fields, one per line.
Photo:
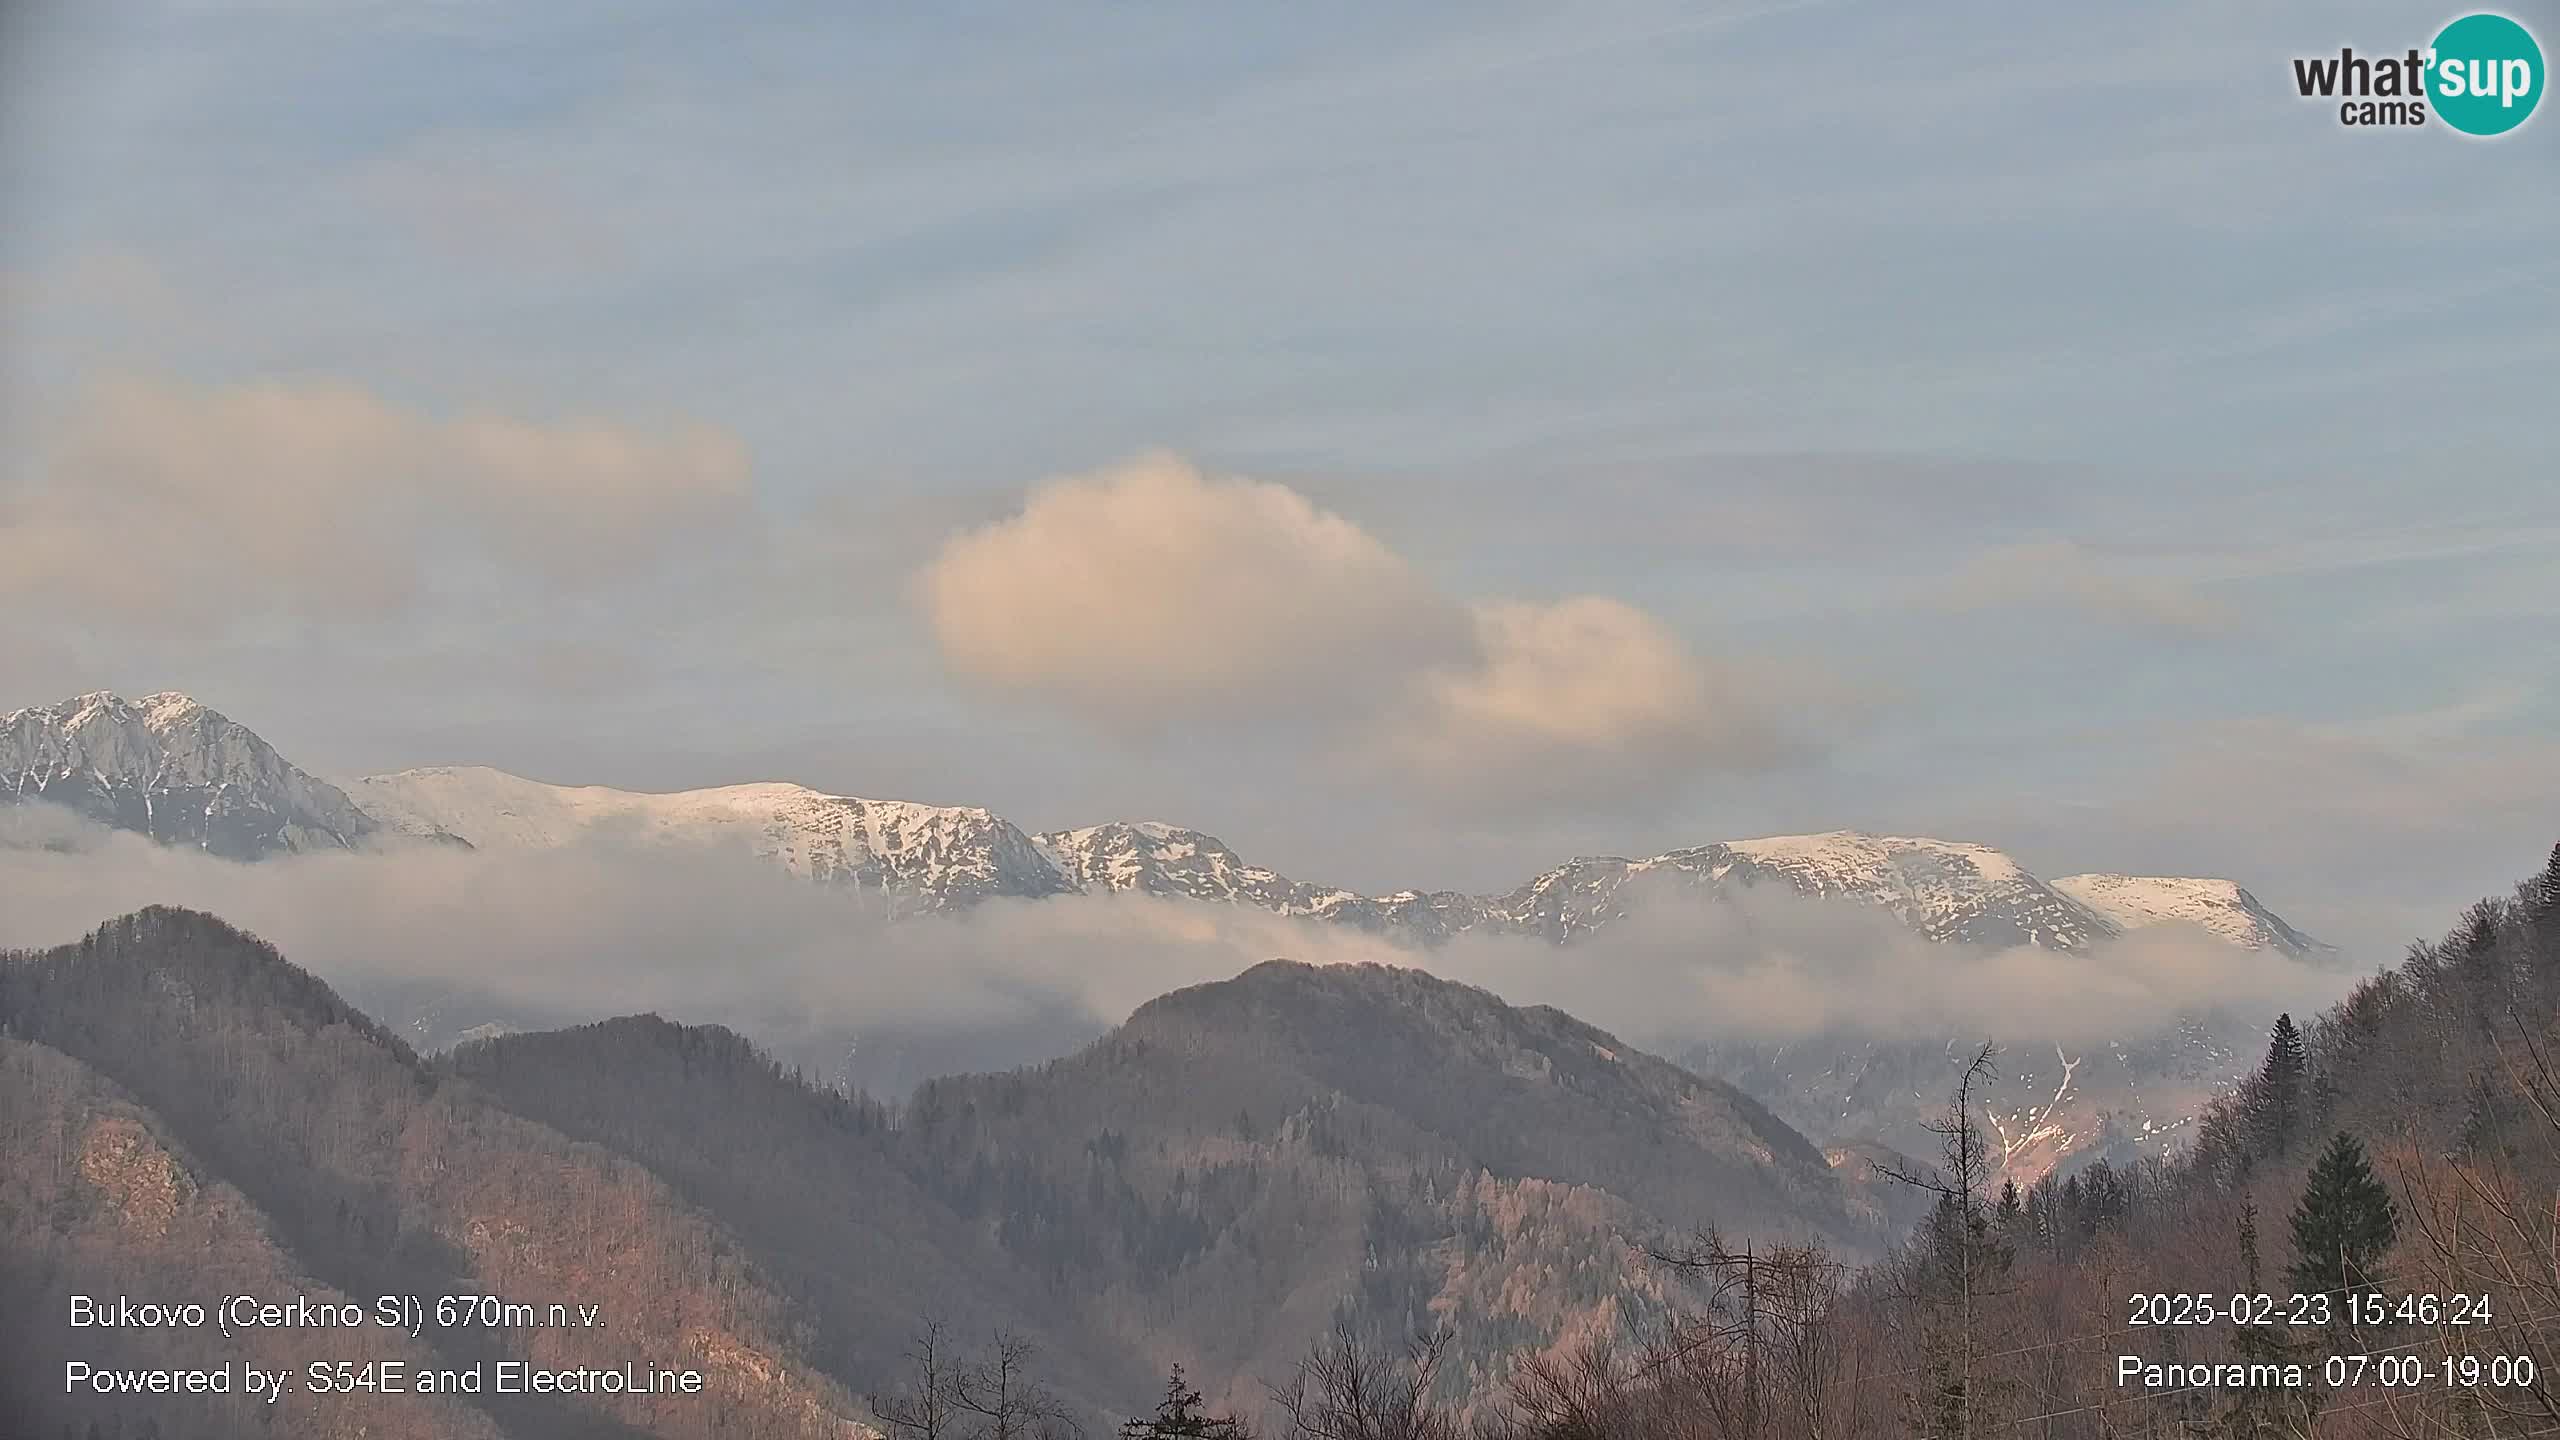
x=129 y=1214
x=1944 y=890
x=2219 y=906
x=1153 y=858
x=1249 y=1162
x=1224 y=1179
x=376 y=1175
x=1235 y=1170
x=808 y=1180
x=167 y=767
x=929 y=855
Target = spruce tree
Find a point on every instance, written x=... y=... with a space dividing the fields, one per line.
x=2479 y=949
x=2344 y=1225
x=2281 y=1087
x=2542 y=915
x=1180 y=1416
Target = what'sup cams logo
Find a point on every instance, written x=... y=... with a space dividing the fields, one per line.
x=2481 y=75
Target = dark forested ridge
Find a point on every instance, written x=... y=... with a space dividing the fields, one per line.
x=1253 y=1161
x=1242 y=1167
x=169 y=1076
x=809 y=1180
x=1290 y=1176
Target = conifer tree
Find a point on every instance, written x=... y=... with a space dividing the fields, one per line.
x=2542 y=915
x=2482 y=959
x=2344 y=1225
x=1180 y=1416
x=2281 y=1087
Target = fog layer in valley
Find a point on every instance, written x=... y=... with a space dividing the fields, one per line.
x=713 y=934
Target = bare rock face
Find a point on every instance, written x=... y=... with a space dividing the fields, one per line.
x=142 y=1184
x=167 y=767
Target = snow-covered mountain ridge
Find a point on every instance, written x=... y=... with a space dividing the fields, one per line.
x=935 y=856
x=168 y=767
x=930 y=855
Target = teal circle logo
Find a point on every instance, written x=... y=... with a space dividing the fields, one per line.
x=2484 y=74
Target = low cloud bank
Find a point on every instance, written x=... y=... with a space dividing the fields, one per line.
x=722 y=935
x=1769 y=965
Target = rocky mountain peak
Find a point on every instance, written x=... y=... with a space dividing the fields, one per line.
x=171 y=768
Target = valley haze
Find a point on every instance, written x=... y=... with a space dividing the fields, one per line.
x=883 y=942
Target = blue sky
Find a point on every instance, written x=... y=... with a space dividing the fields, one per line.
x=2147 y=471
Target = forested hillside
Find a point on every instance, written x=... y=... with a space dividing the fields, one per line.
x=97 y=1197
x=810 y=1181
x=1415 y=1210
x=1242 y=1168
x=1219 y=1167
x=180 y=1078
x=2397 y=1159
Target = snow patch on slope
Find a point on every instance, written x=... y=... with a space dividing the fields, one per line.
x=2219 y=906
x=1945 y=890
x=933 y=855
x=1852 y=859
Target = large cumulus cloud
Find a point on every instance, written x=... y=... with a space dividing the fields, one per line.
x=1154 y=594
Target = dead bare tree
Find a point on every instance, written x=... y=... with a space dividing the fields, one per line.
x=1959 y=1258
x=1764 y=1329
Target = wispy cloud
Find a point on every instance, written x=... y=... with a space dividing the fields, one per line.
x=2065 y=572
x=206 y=508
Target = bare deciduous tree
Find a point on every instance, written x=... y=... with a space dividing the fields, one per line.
x=1346 y=1391
x=923 y=1409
